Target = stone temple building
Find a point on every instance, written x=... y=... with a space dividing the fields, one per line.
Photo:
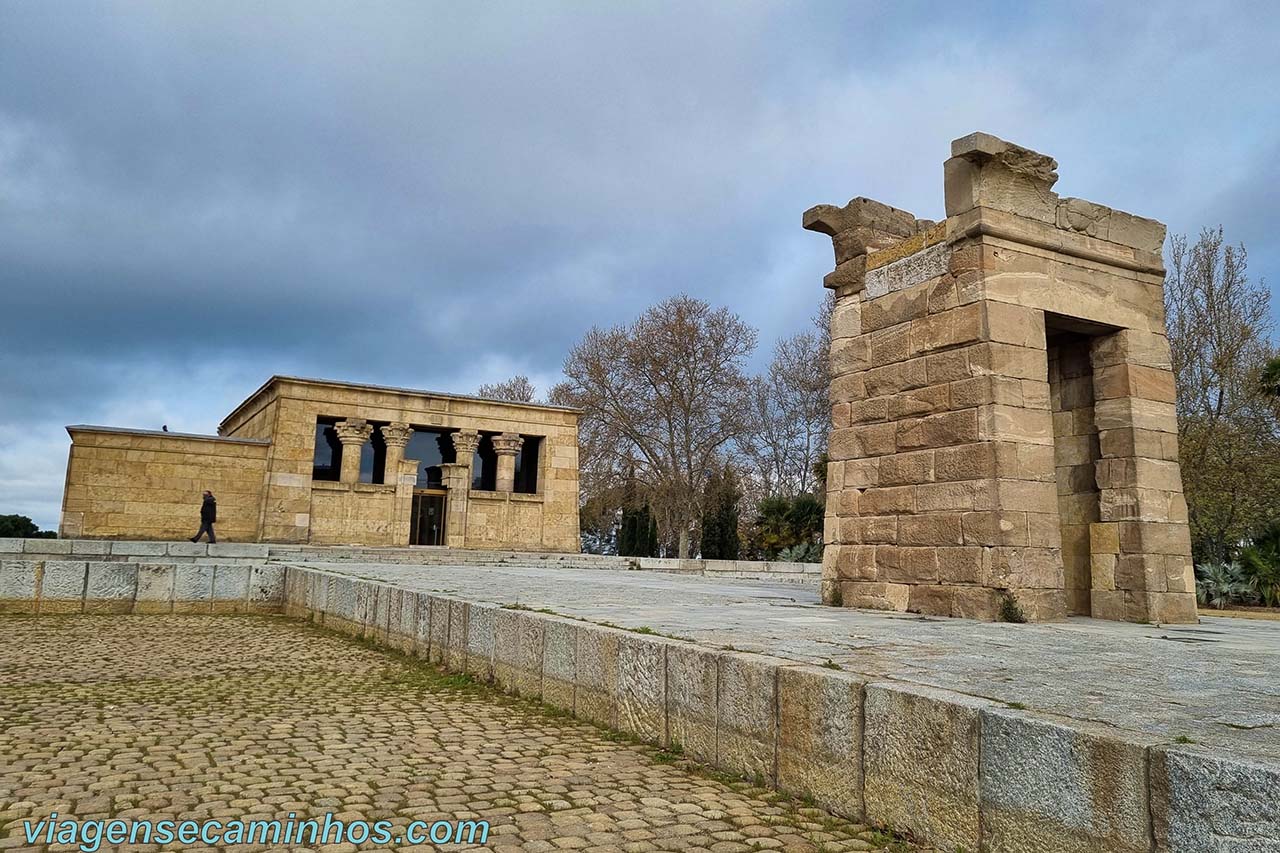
x=1004 y=431
x=320 y=462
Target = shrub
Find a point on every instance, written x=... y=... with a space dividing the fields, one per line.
x=805 y=552
x=1010 y=609
x=1260 y=565
x=1220 y=584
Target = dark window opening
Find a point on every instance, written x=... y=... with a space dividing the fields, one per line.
x=327 y=464
x=484 y=465
x=527 y=465
x=373 y=456
x=431 y=448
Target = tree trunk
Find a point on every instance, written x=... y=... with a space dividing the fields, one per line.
x=684 y=541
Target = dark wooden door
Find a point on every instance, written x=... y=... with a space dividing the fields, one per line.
x=426 y=520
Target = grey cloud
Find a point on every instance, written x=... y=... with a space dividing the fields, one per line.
x=194 y=196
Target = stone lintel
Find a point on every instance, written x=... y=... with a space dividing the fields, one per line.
x=986 y=171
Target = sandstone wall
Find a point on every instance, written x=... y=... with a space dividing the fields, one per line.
x=125 y=484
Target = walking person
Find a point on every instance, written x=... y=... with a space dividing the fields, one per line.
x=208 y=516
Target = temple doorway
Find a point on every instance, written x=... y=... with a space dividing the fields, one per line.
x=426 y=519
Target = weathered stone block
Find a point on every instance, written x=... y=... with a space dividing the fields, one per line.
x=932 y=599
x=942 y=528
x=747 y=705
x=692 y=690
x=422 y=626
x=139 y=549
x=948 y=329
x=239 y=550
x=193 y=588
x=911 y=270
x=343 y=612
x=1014 y=324
x=110 y=588
x=156 y=588
x=849 y=355
x=559 y=663
x=894 y=308
x=230 y=588
x=456 y=656
x=62 y=586
x=895 y=378
x=596 y=699
x=517 y=659
x=18 y=585
x=1203 y=801
x=266 y=589
x=11 y=545
x=820 y=737
x=97 y=548
x=642 y=687
x=481 y=638
x=186 y=549
x=49 y=547
x=385 y=615
x=876 y=595
x=1049 y=786
x=920 y=762
x=975 y=602
x=439 y=623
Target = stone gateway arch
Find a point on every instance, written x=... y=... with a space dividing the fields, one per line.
x=1004 y=435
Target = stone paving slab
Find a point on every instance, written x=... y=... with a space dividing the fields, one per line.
x=207 y=717
x=1214 y=683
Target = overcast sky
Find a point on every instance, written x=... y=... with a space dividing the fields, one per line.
x=194 y=196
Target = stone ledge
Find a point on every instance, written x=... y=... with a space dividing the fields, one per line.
x=956 y=770
x=149 y=585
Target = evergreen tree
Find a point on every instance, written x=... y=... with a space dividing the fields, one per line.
x=720 y=518
x=650 y=540
x=638 y=535
x=626 y=533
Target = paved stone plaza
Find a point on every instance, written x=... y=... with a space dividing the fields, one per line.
x=254 y=717
x=1212 y=683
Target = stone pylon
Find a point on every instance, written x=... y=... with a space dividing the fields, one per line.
x=1004 y=434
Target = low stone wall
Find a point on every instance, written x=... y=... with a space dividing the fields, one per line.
x=82 y=576
x=957 y=771
x=423 y=556
x=729 y=569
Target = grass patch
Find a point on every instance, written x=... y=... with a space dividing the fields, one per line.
x=1010 y=609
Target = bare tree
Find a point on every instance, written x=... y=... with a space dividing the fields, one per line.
x=1218 y=324
x=665 y=393
x=517 y=389
x=790 y=412
x=790 y=417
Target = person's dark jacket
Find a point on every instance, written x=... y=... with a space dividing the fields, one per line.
x=209 y=510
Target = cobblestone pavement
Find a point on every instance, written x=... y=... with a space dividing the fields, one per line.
x=256 y=717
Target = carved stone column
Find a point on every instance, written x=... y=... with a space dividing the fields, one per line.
x=353 y=433
x=507 y=446
x=457 y=481
x=395 y=437
x=465 y=443
x=457 y=484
